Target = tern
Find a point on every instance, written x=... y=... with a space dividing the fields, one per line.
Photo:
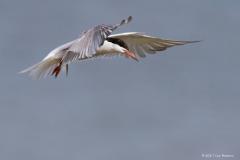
x=97 y=42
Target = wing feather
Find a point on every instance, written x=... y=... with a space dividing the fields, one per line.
x=141 y=43
x=89 y=41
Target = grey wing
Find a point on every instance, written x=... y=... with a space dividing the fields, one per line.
x=141 y=44
x=89 y=41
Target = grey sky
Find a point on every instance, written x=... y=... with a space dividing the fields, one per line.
x=171 y=106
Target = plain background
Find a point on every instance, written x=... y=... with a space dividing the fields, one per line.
x=178 y=105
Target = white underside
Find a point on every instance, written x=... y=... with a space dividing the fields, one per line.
x=109 y=48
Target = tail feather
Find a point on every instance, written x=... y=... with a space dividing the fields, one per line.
x=42 y=68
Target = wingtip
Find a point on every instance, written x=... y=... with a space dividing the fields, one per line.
x=126 y=21
x=25 y=70
x=195 y=41
x=129 y=18
x=189 y=42
x=21 y=72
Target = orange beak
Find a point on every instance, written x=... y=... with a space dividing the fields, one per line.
x=130 y=55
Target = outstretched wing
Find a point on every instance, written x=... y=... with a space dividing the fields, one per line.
x=89 y=41
x=140 y=43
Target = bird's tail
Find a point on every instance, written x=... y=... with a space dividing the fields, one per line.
x=46 y=66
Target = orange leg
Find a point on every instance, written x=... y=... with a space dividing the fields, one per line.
x=57 y=70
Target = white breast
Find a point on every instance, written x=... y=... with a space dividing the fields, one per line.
x=109 y=47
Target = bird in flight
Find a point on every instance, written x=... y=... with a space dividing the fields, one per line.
x=98 y=41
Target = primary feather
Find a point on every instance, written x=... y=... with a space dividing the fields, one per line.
x=141 y=43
